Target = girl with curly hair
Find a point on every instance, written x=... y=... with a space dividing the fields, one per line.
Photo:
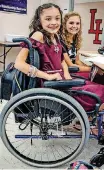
x=72 y=36
x=71 y=40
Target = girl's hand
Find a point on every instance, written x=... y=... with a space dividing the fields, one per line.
x=55 y=76
x=100 y=72
x=67 y=76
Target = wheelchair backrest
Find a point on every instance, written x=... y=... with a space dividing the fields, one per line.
x=36 y=58
x=11 y=75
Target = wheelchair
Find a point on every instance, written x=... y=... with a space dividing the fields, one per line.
x=40 y=137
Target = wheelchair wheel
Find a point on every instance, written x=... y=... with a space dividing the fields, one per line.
x=42 y=139
x=98 y=159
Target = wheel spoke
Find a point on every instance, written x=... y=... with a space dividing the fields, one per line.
x=43 y=139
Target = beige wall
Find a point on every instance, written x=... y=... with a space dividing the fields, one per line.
x=84 y=10
x=12 y=23
x=64 y=4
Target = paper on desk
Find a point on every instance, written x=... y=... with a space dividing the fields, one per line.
x=93 y=55
x=97 y=59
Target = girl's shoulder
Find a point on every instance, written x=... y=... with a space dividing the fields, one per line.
x=36 y=40
x=38 y=36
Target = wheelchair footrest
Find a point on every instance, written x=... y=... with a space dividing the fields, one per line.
x=64 y=83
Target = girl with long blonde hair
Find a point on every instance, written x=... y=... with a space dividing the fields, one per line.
x=72 y=37
x=71 y=40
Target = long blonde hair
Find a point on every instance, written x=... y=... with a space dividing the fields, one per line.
x=67 y=36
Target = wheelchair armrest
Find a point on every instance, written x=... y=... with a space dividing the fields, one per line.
x=64 y=83
x=73 y=69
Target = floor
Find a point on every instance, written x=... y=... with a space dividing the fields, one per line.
x=8 y=161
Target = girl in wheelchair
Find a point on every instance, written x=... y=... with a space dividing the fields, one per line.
x=71 y=41
x=47 y=110
x=46 y=25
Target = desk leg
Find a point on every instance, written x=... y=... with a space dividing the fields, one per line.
x=4 y=57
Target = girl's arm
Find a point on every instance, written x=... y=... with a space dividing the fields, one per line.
x=69 y=63
x=20 y=62
x=79 y=62
x=66 y=71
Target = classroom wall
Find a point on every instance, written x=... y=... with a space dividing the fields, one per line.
x=84 y=10
x=64 y=4
x=13 y=23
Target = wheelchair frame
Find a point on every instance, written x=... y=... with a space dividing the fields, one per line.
x=43 y=101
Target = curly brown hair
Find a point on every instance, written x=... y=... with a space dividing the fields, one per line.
x=67 y=36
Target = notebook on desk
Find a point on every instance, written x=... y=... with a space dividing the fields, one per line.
x=94 y=55
x=90 y=53
x=98 y=58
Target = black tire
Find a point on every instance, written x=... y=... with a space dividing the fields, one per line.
x=61 y=99
x=97 y=160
